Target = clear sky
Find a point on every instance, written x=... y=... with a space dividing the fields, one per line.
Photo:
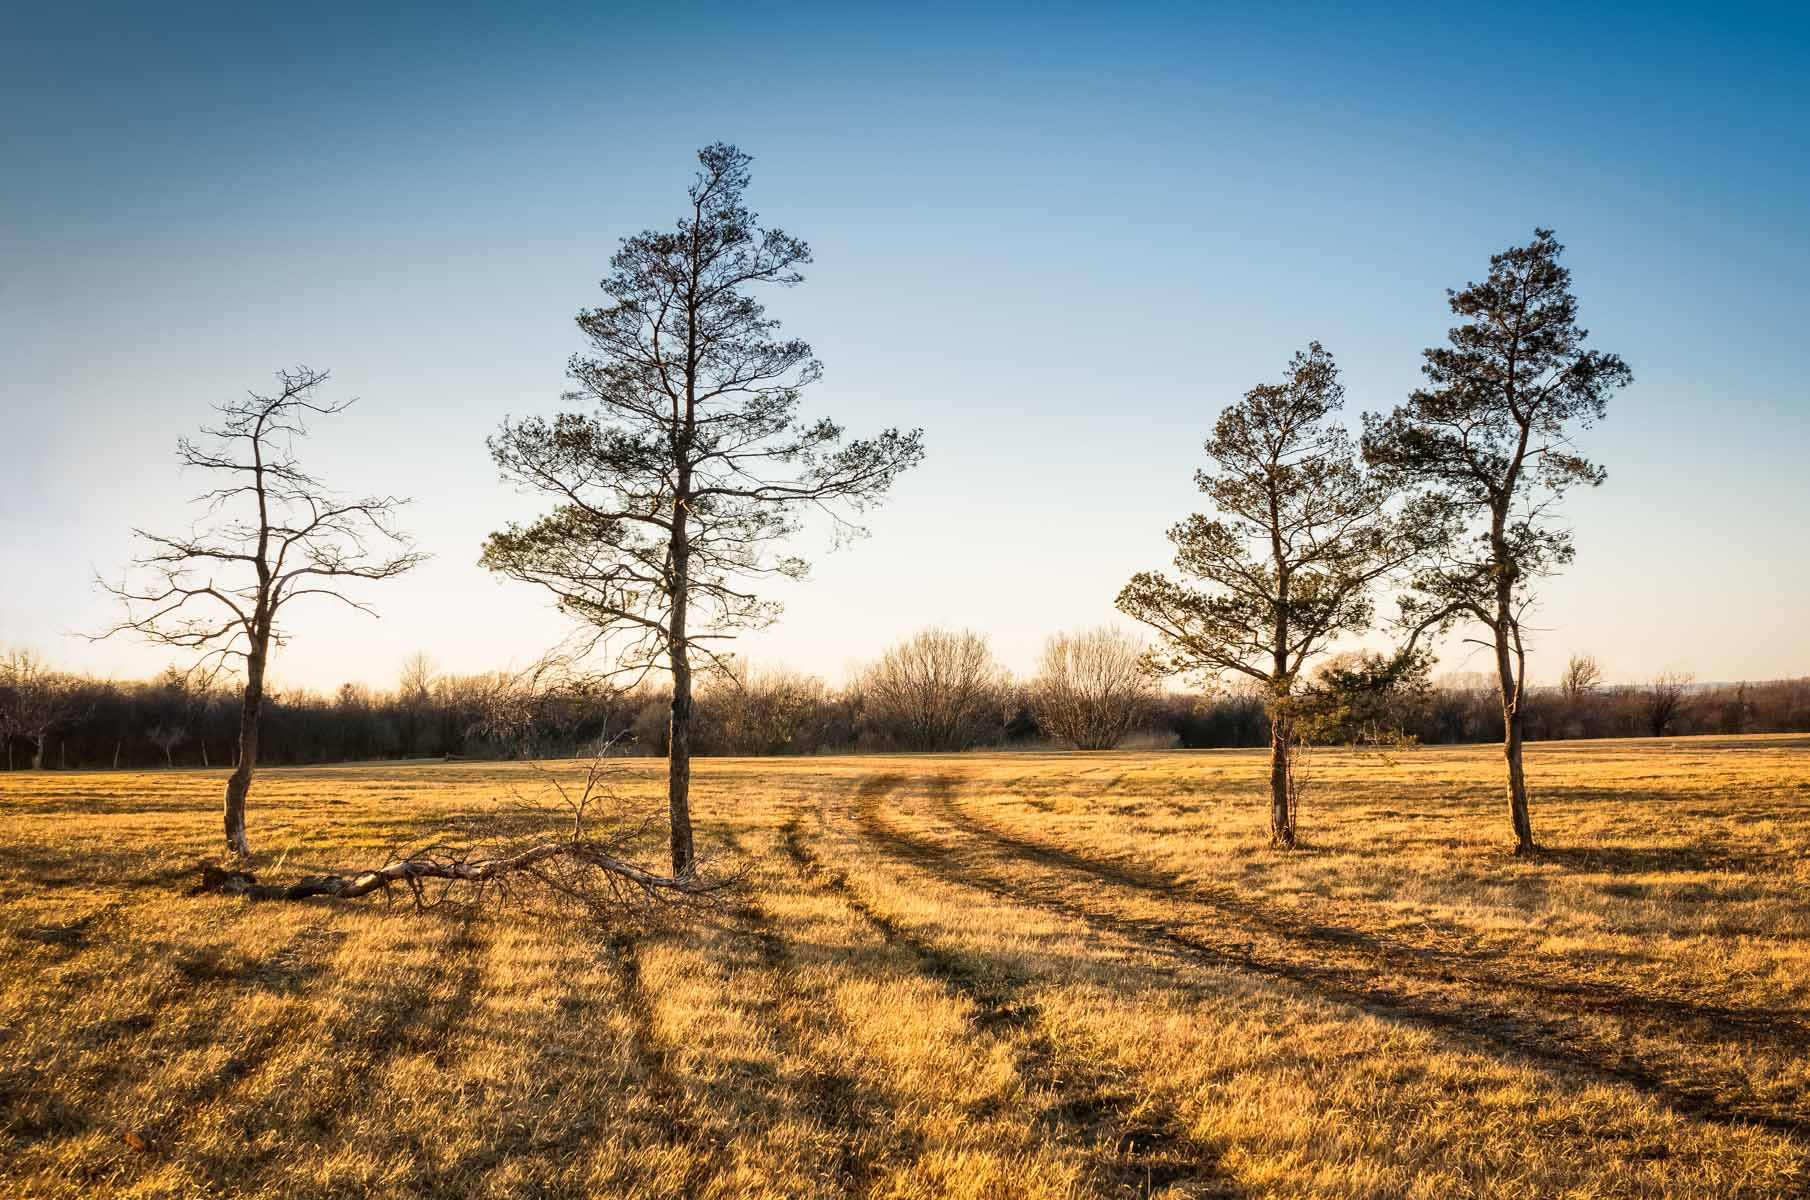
x=1060 y=238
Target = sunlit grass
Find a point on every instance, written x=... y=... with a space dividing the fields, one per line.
x=999 y=975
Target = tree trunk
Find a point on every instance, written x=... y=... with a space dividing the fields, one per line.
x=1282 y=686
x=1510 y=677
x=1512 y=737
x=1282 y=825
x=679 y=762
x=1517 y=779
x=116 y=746
x=238 y=785
x=37 y=753
x=204 y=761
x=678 y=742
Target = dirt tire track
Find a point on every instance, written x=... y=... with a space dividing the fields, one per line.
x=1128 y=1157
x=1723 y=1022
x=1495 y=1030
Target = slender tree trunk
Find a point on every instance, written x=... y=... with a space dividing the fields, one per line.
x=1282 y=825
x=1508 y=677
x=1513 y=734
x=678 y=778
x=116 y=746
x=37 y=753
x=678 y=738
x=204 y=761
x=678 y=742
x=238 y=785
x=1517 y=780
x=1282 y=828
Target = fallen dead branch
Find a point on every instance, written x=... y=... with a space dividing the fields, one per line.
x=414 y=872
x=514 y=854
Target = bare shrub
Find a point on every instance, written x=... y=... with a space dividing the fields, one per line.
x=1092 y=688
x=941 y=689
x=1665 y=700
x=764 y=710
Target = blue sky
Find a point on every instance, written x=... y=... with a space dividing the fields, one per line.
x=1060 y=238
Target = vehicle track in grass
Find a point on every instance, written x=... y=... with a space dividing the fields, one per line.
x=1479 y=1022
x=1367 y=952
x=1128 y=1153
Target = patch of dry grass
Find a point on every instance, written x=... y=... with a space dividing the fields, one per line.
x=1006 y=975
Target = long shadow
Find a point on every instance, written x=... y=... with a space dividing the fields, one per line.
x=648 y=1065
x=196 y=971
x=1510 y=1031
x=385 y=1022
x=1129 y=1155
x=834 y=1100
x=1724 y=1022
x=94 y=867
x=655 y=1069
x=66 y=939
x=1626 y=860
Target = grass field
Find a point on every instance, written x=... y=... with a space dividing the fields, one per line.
x=1007 y=975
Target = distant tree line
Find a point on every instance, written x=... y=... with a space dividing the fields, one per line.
x=939 y=690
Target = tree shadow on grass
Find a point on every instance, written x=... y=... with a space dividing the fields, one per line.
x=1647 y=860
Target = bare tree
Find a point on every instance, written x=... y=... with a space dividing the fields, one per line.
x=415 y=680
x=35 y=702
x=1581 y=678
x=938 y=690
x=414 y=698
x=10 y=704
x=692 y=460
x=1665 y=700
x=270 y=533
x=167 y=737
x=1092 y=687
x=1737 y=711
x=1301 y=538
x=1490 y=436
x=186 y=695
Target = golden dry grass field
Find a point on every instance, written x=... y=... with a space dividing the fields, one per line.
x=1000 y=975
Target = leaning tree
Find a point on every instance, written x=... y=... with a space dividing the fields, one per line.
x=1289 y=562
x=688 y=459
x=1490 y=437
x=270 y=533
